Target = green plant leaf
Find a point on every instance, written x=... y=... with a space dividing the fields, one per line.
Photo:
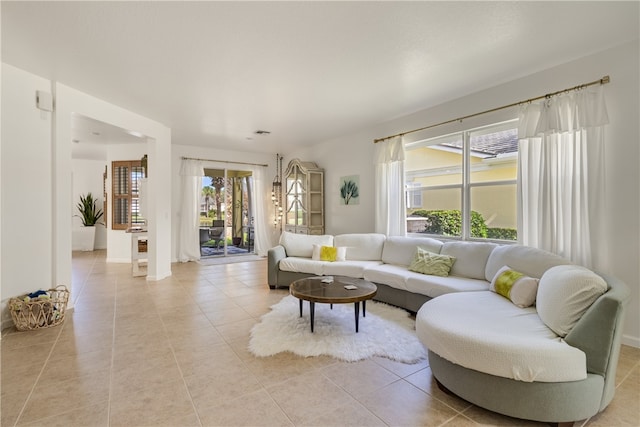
x=89 y=213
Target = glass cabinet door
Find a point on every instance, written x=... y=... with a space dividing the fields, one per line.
x=304 y=198
x=291 y=201
x=296 y=208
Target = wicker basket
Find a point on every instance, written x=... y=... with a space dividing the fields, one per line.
x=38 y=313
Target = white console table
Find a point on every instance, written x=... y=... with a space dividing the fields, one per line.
x=139 y=248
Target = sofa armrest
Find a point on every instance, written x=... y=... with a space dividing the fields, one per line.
x=599 y=334
x=274 y=255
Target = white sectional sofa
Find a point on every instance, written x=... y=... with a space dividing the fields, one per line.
x=551 y=363
x=385 y=261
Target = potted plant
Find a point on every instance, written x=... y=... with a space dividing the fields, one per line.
x=89 y=214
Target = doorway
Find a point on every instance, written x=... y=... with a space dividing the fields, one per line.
x=226 y=213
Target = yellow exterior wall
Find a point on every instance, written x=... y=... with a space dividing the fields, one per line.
x=496 y=204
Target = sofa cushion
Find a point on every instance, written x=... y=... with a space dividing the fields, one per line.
x=530 y=261
x=426 y=262
x=391 y=275
x=302 y=265
x=434 y=286
x=471 y=258
x=487 y=333
x=515 y=286
x=347 y=268
x=565 y=292
x=301 y=245
x=361 y=246
x=400 y=250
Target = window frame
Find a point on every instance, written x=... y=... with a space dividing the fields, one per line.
x=466 y=185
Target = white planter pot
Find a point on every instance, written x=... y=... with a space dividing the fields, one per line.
x=84 y=238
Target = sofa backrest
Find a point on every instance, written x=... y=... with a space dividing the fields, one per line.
x=399 y=250
x=471 y=258
x=531 y=261
x=301 y=245
x=361 y=246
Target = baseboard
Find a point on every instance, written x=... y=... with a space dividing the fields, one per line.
x=159 y=277
x=119 y=260
x=631 y=341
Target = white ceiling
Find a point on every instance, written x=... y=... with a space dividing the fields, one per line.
x=215 y=72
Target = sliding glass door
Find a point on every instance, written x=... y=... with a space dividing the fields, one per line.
x=226 y=213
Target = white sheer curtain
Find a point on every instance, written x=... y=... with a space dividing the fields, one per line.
x=389 y=187
x=259 y=200
x=191 y=172
x=561 y=174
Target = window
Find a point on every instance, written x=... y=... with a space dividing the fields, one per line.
x=463 y=185
x=414 y=195
x=125 y=184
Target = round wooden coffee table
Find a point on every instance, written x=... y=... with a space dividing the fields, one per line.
x=319 y=289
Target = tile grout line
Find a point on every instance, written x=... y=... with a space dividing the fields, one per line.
x=26 y=402
x=53 y=345
x=113 y=347
x=173 y=352
x=628 y=373
x=263 y=387
x=370 y=392
x=86 y=279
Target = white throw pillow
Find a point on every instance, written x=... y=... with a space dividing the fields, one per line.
x=301 y=245
x=517 y=287
x=565 y=292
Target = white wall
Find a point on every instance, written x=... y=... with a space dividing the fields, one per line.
x=619 y=253
x=1 y=169
x=37 y=213
x=27 y=203
x=158 y=148
x=87 y=178
x=179 y=151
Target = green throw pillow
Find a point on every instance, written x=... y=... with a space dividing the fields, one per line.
x=426 y=262
x=517 y=287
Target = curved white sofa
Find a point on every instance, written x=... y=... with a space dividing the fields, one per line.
x=527 y=370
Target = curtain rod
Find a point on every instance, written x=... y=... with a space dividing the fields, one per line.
x=601 y=81
x=224 y=161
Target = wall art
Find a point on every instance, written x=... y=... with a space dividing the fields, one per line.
x=350 y=190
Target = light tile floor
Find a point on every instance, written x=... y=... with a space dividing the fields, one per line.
x=174 y=353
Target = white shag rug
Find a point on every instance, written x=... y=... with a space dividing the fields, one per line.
x=387 y=331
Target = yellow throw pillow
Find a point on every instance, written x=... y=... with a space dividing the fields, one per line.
x=426 y=262
x=325 y=253
x=328 y=253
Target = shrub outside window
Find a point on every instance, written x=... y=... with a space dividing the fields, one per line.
x=465 y=182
